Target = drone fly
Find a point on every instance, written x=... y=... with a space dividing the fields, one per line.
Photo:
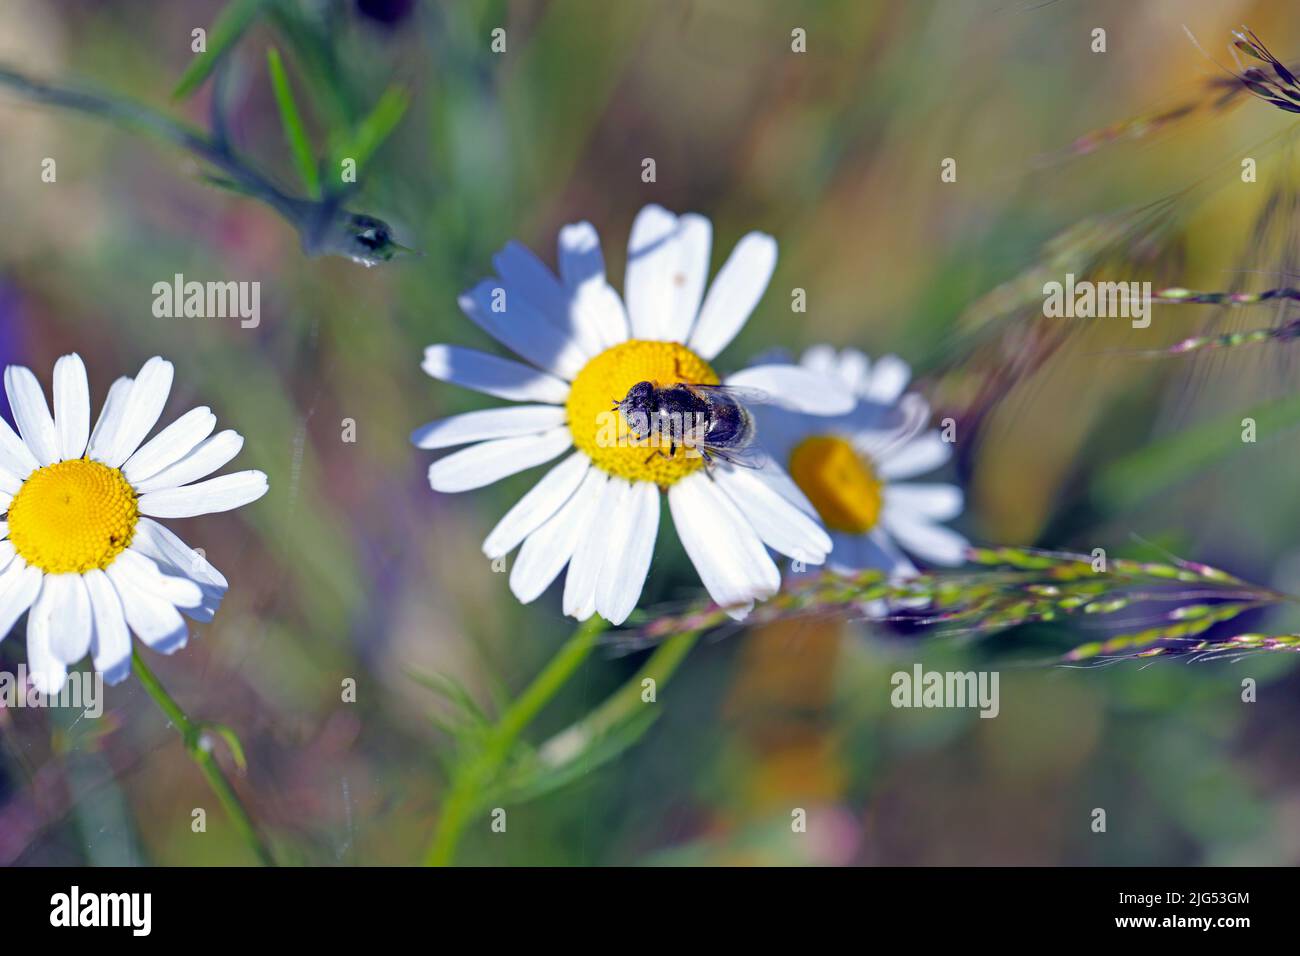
x=709 y=421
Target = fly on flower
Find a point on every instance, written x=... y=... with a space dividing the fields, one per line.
x=79 y=547
x=597 y=512
x=708 y=421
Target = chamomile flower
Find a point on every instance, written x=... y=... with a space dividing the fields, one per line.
x=80 y=551
x=852 y=468
x=597 y=511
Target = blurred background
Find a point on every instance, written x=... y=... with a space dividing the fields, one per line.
x=351 y=568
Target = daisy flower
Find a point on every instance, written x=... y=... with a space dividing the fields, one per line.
x=79 y=547
x=852 y=467
x=597 y=511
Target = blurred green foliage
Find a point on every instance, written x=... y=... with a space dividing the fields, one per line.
x=352 y=568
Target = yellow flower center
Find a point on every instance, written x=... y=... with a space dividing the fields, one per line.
x=839 y=482
x=73 y=516
x=602 y=432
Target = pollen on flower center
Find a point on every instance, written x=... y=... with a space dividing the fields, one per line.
x=839 y=482
x=600 y=430
x=73 y=516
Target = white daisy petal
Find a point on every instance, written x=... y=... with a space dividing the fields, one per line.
x=598 y=306
x=47 y=670
x=206 y=497
x=177 y=559
x=7 y=553
x=547 y=550
x=110 y=420
x=878 y=442
x=596 y=538
x=489 y=423
x=110 y=647
x=860 y=552
x=733 y=294
x=854 y=370
x=580 y=257
x=892 y=558
x=777 y=479
x=726 y=551
x=16 y=459
x=70 y=619
x=821 y=359
x=35 y=423
x=797 y=388
x=595 y=304
x=782 y=525
x=170 y=445
x=203 y=460
x=627 y=560
x=542 y=500
x=672 y=273
x=71 y=406
x=924 y=453
x=888 y=379
x=933 y=501
x=174 y=556
x=19 y=585
x=490 y=461
x=141 y=409
x=516 y=324
x=526 y=275
x=145 y=574
x=934 y=543
x=650 y=260
x=491 y=375
x=153 y=619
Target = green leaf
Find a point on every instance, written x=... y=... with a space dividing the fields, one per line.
x=602 y=735
x=374 y=130
x=538 y=776
x=294 y=130
x=455 y=693
x=234 y=19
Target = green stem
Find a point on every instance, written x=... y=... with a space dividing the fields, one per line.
x=625 y=702
x=470 y=780
x=196 y=746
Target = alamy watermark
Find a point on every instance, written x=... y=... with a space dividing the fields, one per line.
x=1101 y=300
x=83 y=691
x=133 y=911
x=208 y=300
x=922 y=688
x=662 y=430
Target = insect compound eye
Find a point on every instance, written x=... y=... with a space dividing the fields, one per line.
x=640 y=392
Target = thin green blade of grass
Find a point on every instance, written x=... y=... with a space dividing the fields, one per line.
x=1165 y=463
x=231 y=24
x=373 y=131
x=295 y=132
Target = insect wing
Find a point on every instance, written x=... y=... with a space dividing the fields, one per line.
x=738 y=393
x=748 y=456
